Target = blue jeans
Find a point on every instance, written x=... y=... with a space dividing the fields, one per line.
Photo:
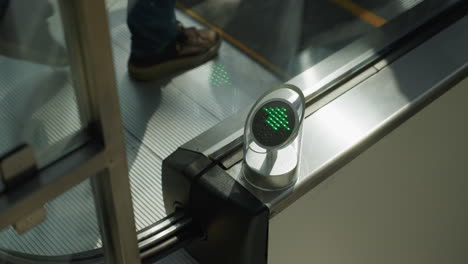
x=153 y=26
x=3 y=7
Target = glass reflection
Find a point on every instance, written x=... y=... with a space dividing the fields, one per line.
x=37 y=101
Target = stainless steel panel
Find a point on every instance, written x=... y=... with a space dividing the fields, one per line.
x=322 y=100
x=391 y=9
x=403 y=200
x=341 y=129
x=224 y=133
x=359 y=53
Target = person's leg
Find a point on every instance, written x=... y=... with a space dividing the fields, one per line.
x=153 y=26
x=3 y=7
x=160 y=45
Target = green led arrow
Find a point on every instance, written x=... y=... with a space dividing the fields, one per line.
x=220 y=77
x=276 y=118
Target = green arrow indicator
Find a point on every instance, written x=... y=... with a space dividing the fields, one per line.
x=276 y=118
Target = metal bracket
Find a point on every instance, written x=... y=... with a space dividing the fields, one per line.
x=15 y=168
x=18 y=165
x=30 y=221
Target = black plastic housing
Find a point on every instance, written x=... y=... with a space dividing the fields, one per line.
x=234 y=222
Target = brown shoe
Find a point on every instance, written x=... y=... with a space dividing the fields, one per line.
x=191 y=48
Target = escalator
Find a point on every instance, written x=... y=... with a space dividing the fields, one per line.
x=184 y=134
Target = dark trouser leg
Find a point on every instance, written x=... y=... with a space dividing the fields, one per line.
x=153 y=26
x=3 y=8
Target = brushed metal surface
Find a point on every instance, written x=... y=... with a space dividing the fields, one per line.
x=271 y=171
x=341 y=129
x=392 y=9
x=403 y=200
x=363 y=51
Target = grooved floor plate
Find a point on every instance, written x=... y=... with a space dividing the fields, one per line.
x=71 y=227
x=145 y=179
